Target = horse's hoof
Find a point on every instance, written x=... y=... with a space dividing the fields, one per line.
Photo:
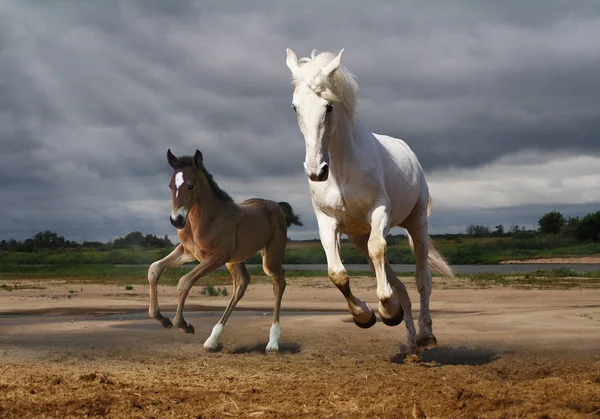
x=211 y=348
x=368 y=323
x=427 y=342
x=411 y=359
x=188 y=329
x=166 y=323
x=395 y=320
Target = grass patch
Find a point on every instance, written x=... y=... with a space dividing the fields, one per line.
x=458 y=250
x=560 y=278
x=18 y=286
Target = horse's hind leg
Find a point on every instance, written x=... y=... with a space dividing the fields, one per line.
x=417 y=226
x=174 y=259
x=241 y=279
x=273 y=267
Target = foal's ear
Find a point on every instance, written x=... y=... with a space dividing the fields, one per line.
x=330 y=68
x=291 y=61
x=198 y=159
x=172 y=159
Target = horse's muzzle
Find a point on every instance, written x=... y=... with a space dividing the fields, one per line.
x=178 y=222
x=322 y=175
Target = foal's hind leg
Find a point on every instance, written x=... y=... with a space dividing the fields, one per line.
x=417 y=226
x=241 y=279
x=174 y=259
x=272 y=265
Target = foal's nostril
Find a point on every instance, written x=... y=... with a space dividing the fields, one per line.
x=178 y=222
x=324 y=173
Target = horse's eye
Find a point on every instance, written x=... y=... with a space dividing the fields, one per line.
x=329 y=107
x=190 y=187
x=294 y=108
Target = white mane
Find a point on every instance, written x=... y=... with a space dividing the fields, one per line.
x=343 y=89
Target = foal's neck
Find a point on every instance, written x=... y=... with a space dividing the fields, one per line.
x=204 y=212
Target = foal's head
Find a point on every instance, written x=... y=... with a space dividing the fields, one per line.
x=190 y=183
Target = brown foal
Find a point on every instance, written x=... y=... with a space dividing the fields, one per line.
x=215 y=230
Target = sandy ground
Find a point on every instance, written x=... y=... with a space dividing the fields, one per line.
x=74 y=350
x=583 y=259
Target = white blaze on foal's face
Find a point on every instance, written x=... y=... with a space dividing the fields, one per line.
x=183 y=193
x=178 y=182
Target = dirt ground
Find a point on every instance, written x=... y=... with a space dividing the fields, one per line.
x=74 y=350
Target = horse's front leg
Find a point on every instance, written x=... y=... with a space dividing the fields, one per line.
x=394 y=302
x=174 y=259
x=330 y=239
x=186 y=282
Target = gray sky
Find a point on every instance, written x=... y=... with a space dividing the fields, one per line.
x=498 y=99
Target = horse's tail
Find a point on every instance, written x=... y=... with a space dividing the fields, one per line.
x=290 y=217
x=435 y=259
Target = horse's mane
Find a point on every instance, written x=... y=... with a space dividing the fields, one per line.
x=343 y=89
x=188 y=161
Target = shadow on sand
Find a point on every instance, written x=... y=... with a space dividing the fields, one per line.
x=259 y=348
x=452 y=356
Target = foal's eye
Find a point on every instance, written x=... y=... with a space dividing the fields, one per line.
x=294 y=108
x=190 y=187
x=329 y=107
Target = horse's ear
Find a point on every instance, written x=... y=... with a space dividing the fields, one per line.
x=172 y=159
x=330 y=68
x=198 y=159
x=292 y=61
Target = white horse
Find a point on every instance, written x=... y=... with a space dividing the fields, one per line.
x=361 y=184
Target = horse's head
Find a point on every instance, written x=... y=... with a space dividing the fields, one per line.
x=188 y=185
x=317 y=94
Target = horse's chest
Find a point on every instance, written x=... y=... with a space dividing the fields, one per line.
x=349 y=205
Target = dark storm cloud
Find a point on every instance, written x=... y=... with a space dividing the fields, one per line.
x=93 y=93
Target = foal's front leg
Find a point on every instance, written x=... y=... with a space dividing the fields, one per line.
x=330 y=239
x=174 y=259
x=186 y=282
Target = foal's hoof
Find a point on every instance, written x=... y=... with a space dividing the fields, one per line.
x=166 y=323
x=272 y=348
x=395 y=320
x=372 y=320
x=427 y=342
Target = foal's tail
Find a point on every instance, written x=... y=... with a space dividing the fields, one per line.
x=290 y=217
x=435 y=259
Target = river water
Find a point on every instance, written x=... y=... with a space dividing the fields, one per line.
x=461 y=269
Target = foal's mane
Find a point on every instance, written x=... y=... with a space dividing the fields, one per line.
x=188 y=161
x=343 y=89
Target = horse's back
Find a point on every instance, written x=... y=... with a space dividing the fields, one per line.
x=404 y=178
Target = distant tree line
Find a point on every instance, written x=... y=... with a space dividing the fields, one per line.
x=585 y=229
x=49 y=240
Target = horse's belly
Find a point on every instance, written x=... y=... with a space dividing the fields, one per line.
x=355 y=228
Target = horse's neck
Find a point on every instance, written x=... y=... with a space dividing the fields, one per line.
x=344 y=148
